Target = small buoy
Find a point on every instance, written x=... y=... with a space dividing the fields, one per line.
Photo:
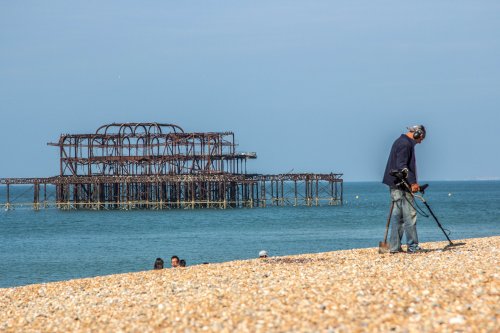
x=357 y=197
x=449 y=194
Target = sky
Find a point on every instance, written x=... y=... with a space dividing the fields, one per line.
x=311 y=86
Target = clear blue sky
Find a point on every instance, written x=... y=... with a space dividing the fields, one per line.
x=315 y=86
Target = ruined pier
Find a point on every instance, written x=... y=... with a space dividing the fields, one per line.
x=159 y=166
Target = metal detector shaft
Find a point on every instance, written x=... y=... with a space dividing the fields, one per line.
x=437 y=221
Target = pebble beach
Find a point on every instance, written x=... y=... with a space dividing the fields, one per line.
x=359 y=290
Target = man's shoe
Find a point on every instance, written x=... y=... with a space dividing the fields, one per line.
x=417 y=250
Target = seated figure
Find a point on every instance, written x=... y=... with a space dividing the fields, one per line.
x=158 y=263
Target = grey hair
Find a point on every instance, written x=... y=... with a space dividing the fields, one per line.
x=415 y=128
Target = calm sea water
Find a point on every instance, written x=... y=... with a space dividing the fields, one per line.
x=51 y=245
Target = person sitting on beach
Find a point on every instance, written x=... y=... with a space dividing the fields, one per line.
x=182 y=263
x=158 y=263
x=174 y=261
x=263 y=254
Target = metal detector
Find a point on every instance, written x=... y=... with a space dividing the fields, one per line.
x=421 y=197
x=401 y=177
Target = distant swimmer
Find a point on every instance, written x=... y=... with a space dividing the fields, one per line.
x=174 y=261
x=158 y=263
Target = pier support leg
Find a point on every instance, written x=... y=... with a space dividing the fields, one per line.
x=7 y=205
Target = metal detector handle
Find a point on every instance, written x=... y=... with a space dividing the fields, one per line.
x=405 y=184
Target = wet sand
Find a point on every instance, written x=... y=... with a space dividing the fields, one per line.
x=455 y=290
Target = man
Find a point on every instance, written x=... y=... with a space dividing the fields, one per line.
x=404 y=216
x=174 y=261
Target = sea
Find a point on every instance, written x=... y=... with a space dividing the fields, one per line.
x=53 y=245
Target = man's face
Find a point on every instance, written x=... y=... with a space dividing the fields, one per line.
x=175 y=262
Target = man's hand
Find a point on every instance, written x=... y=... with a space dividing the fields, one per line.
x=415 y=188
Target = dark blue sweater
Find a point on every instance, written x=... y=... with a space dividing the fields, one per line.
x=402 y=156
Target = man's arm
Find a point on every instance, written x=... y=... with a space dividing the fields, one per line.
x=403 y=155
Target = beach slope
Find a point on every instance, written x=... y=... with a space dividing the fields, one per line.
x=342 y=291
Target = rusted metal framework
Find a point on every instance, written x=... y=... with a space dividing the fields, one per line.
x=134 y=149
x=160 y=166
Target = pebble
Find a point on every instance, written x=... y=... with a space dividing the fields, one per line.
x=457 y=320
x=359 y=290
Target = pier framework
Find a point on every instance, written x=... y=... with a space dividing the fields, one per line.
x=159 y=166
